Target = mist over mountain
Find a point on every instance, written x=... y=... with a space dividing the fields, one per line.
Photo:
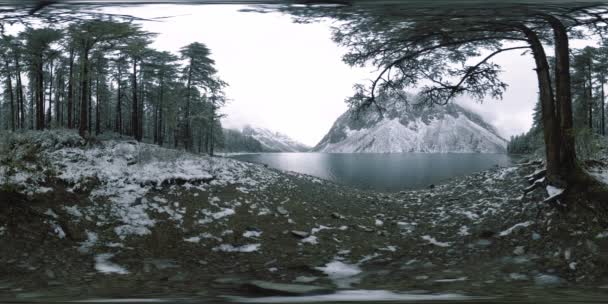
x=408 y=127
x=252 y=139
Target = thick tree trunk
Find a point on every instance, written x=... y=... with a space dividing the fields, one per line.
x=49 y=117
x=97 y=100
x=33 y=102
x=188 y=133
x=84 y=88
x=118 y=128
x=549 y=114
x=160 y=113
x=39 y=94
x=90 y=105
x=564 y=97
x=590 y=96
x=603 y=125
x=70 y=101
x=20 y=97
x=10 y=94
x=135 y=111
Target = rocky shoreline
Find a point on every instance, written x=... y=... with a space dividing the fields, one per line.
x=193 y=227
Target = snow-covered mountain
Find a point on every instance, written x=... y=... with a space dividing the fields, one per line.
x=274 y=141
x=411 y=128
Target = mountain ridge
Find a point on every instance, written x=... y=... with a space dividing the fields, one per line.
x=254 y=139
x=409 y=127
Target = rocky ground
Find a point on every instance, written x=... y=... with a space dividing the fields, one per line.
x=119 y=219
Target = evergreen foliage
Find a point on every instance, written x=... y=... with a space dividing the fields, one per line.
x=101 y=75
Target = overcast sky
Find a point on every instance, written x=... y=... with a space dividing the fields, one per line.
x=290 y=78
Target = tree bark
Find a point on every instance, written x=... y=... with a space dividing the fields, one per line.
x=187 y=133
x=20 y=97
x=70 y=101
x=160 y=113
x=97 y=100
x=10 y=92
x=49 y=117
x=119 y=103
x=550 y=124
x=134 y=111
x=39 y=94
x=603 y=124
x=564 y=96
x=84 y=88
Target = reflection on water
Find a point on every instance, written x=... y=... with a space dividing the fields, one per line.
x=382 y=172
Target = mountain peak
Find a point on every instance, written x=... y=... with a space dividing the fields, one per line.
x=410 y=127
x=273 y=141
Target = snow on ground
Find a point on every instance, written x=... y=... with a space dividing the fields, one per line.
x=104 y=265
x=433 y=241
x=354 y=296
x=120 y=173
x=244 y=248
x=339 y=270
x=515 y=227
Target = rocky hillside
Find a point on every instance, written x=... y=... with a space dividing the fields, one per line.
x=411 y=128
x=274 y=141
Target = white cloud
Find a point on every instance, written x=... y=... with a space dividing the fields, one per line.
x=290 y=78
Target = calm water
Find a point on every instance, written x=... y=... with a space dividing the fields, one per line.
x=383 y=172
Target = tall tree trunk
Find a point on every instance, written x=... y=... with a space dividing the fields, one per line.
x=549 y=117
x=97 y=100
x=10 y=93
x=564 y=96
x=134 y=112
x=50 y=109
x=39 y=94
x=211 y=138
x=84 y=88
x=70 y=101
x=119 y=103
x=590 y=95
x=603 y=124
x=58 y=93
x=33 y=102
x=90 y=105
x=160 y=113
x=188 y=132
x=20 y=97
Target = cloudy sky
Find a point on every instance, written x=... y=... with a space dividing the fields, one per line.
x=290 y=78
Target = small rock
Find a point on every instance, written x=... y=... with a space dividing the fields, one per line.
x=518 y=277
x=432 y=186
x=487 y=234
x=282 y=211
x=519 y=250
x=286 y=289
x=305 y=279
x=50 y=274
x=535 y=236
x=300 y=234
x=546 y=280
x=592 y=246
x=337 y=216
x=366 y=229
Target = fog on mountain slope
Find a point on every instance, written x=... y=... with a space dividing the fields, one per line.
x=410 y=127
x=252 y=139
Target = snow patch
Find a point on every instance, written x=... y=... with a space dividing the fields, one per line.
x=433 y=241
x=104 y=265
x=231 y=248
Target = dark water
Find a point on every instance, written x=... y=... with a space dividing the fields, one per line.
x=382 y=172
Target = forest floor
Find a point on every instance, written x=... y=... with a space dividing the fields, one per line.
x=120 y=219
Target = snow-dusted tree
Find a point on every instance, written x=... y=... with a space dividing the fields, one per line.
x=430 y=45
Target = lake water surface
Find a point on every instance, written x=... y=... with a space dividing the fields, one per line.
x=381 y=172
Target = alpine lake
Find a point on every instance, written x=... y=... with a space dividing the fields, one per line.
x=384 y=172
